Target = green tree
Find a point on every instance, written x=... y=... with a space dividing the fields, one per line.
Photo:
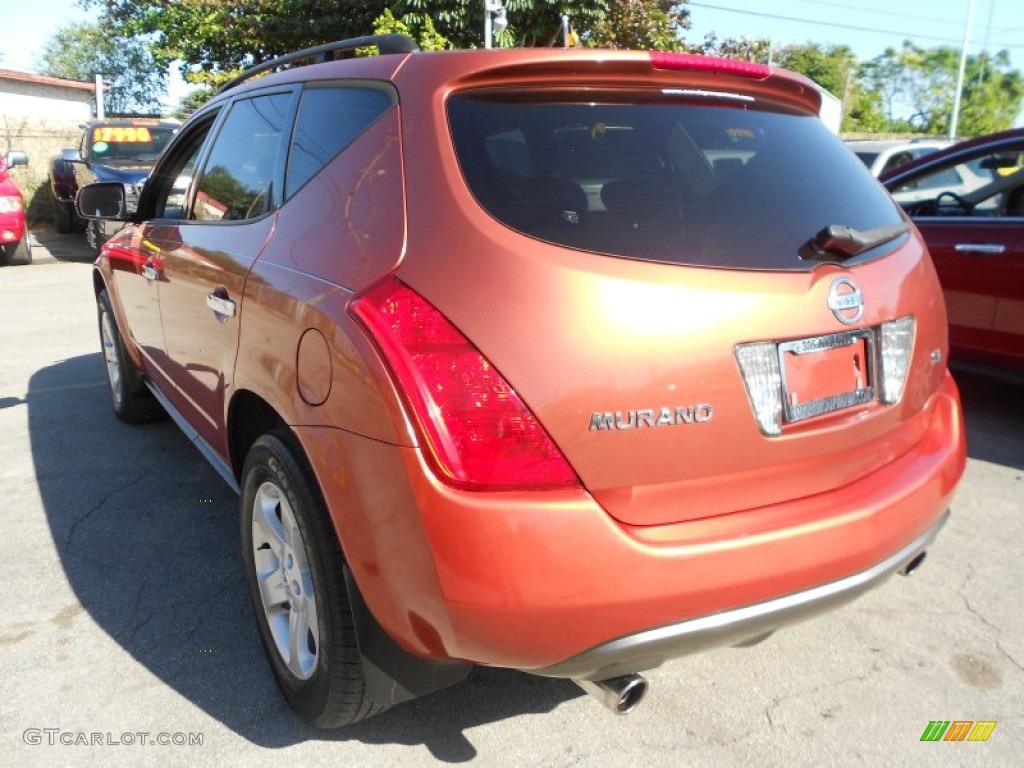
x=192 y=101
x=428 y=38
x=836 y=69
x=742 y=48
x=832 y=67
x=530 y=22
x=214 y=38
x=917 y=87
x=640 y=25
x=82 y=51
x=992 y=95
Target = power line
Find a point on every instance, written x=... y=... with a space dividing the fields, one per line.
x=877 y=12
x=832 y=24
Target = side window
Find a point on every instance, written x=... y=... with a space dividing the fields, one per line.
x=983 y=186
x=330 y=118
x=167 y=186
x=898 y=160
x=177 y=199
x=246 y=161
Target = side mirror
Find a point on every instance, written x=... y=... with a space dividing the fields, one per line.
x=15 y=157
x=102 y=200
x=71 y=156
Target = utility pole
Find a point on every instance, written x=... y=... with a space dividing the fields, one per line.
x=955 y=118
x=495 y=21
x=99 y=97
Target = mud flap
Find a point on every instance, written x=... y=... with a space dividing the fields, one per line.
x=391 y=674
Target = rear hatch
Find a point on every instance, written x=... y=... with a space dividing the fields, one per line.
x=701 y=294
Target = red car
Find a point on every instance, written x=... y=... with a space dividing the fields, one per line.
x=968 y=203
x=570 y=362
x=15 y=247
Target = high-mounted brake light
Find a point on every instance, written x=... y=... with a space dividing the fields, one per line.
x=478 y=432
x=698 y=63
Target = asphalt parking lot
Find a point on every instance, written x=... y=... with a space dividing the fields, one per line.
x=125 y=620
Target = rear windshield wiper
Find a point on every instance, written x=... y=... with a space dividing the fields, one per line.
x=836 y=243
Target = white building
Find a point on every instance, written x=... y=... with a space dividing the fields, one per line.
x=41 y=115
x=24 y=95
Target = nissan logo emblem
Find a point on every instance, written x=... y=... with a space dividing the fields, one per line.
x=845 y=301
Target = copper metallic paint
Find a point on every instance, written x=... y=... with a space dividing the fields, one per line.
x=675 y=523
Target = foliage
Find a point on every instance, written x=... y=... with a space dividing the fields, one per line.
x=424 y=33
x=745 y=49
x=82 y=51
x=215 y=38
x=640 y=25
x=921 y=83
x=907 y=89
x=835 y=68
x=832 y=67
x=192 y=101
x=530 y=22
x=992 y=95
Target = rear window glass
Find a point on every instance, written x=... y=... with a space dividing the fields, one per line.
x=662 y=179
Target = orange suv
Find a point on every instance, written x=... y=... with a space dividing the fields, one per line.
x=571 y=362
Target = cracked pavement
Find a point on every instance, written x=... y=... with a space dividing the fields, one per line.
x=127 y=611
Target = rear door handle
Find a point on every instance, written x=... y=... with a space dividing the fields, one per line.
x=980 y=249
x=221 y=305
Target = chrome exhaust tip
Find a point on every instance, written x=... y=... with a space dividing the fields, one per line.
x=621 y=695
x=913 y=564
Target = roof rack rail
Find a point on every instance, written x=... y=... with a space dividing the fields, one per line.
x=386 y=44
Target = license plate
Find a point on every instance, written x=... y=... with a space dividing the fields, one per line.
x=824 y=374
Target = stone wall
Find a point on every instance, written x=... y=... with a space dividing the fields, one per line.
x=43 y=139
x=40 y=115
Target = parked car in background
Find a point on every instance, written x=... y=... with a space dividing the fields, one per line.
x=975 y=233
x=881 y=156
x=564 y=361
x=115 y=149
x=15 y=247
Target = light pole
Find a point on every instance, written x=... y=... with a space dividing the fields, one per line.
x=495 y=21
x=100 y=114
x=955 y=118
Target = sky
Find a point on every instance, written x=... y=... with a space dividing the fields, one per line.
x=867 y=26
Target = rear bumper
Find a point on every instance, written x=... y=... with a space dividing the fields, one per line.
x=740 y=626
x=550 y=583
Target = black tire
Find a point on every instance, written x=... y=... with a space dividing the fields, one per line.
x=300 y=568
x=19 y=253
x=94 y=236
x=64 y=217
x=132 y=401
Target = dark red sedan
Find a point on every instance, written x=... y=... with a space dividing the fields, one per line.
x=968 y=202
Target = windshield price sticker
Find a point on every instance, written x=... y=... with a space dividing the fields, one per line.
x=121 y=134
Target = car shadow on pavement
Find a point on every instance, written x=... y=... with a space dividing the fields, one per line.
x=147 y=536
x=992 y=402
x=69 y=247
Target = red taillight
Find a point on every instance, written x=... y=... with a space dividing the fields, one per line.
x=698 y=63
x=479 y=433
